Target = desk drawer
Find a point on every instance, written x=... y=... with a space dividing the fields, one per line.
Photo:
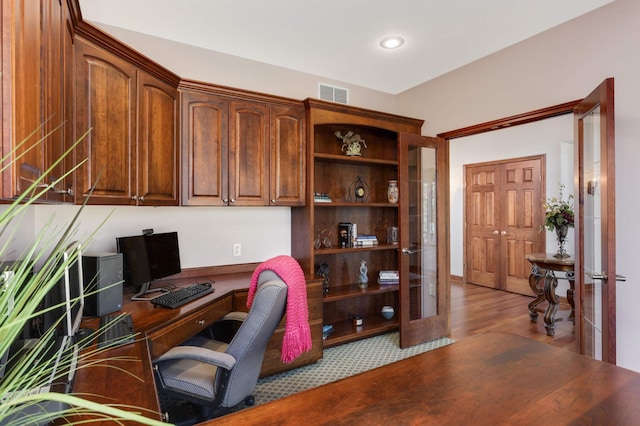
x=167 y=336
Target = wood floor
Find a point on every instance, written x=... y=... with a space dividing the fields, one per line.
x=476 y=309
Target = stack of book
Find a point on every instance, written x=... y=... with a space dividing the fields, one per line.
x=320 y=197
x=366 y=241
x=388 y=278
x=347 y=232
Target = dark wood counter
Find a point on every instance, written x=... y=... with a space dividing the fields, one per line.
x=488 y=379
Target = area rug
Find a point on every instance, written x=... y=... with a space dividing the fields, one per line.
x=337 y=363
x=340 y=362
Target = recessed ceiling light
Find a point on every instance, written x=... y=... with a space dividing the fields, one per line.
x=392 y=42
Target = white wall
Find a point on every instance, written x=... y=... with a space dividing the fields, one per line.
x=205 y=234
x=553 y=137
x=560 y=65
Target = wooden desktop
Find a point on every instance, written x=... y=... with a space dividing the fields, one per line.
x=124 y=375
x=488 y=379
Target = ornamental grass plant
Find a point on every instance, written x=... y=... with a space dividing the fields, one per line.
x=36 y=274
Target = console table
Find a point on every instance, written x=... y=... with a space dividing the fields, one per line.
x=543 y=282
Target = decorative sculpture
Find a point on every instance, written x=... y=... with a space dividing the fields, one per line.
x=351 y=142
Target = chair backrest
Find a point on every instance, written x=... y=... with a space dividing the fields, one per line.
x=250 y=342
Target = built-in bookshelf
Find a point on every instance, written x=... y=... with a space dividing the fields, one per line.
x=351 y=189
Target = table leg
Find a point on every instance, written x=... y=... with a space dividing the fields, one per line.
x=534 y=279
x=550 y=284
x=570 y=295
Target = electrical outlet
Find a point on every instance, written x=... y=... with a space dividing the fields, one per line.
x=237 y=249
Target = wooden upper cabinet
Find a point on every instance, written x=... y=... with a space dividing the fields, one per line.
x=35 y=59
x=105 y=105
x=241 y=152
x=132 y=147
x=249 y=154
x=288 y=148
x=158 y=143
x=204 y=121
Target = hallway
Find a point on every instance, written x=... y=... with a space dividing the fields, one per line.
x=476 y=309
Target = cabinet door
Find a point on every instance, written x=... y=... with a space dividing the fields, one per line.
x=204 y=122
x=157 y=145
x=249 y=154
x=425 y=312
x=106 y=105
x=35 y=70
x=287 y=168
x=25 y=112
x=53 y=77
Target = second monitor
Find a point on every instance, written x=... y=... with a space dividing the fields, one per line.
x=147 y=258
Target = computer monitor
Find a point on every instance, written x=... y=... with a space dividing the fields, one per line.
x=147 y=258
x=135 y=263
x=72 y=289
x=164 y=254
x=65 y=300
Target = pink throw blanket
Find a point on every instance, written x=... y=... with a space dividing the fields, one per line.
x=297 y=335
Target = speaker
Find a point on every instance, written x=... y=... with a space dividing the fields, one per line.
x=102 y=274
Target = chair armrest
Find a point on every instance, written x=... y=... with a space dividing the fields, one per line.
x=197 y=353
x=235 y=316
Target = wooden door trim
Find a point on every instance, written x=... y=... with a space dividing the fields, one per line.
x=512 y=160
x=514 y=120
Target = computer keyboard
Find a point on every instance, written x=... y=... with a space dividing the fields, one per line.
x=115 y=330
x=183 y=295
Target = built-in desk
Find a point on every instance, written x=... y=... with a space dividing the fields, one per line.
x=124 y=375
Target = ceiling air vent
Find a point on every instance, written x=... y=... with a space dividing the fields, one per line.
x=333 y=93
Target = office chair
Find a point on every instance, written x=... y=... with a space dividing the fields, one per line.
x=214 y=376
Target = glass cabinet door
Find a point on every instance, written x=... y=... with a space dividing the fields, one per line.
x=424 y=257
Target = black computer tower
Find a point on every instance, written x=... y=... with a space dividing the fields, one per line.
x=102 y=283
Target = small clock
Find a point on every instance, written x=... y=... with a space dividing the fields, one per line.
x=359 y=190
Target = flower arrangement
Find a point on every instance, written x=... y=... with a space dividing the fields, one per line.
x=559 y=212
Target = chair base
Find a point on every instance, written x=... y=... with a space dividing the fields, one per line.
x=187 y=413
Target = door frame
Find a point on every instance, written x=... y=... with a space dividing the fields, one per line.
x=502 y=123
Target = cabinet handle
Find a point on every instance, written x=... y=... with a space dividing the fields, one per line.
x=200 y=322
x=504 y=233
x=233 y=200
x=603 y=276
x=225 y=200
x=495 y=232
x=273 y=201
x=142 y=198
x=134 y=198
x=409 y=251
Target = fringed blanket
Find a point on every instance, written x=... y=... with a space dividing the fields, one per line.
x=297 y=337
